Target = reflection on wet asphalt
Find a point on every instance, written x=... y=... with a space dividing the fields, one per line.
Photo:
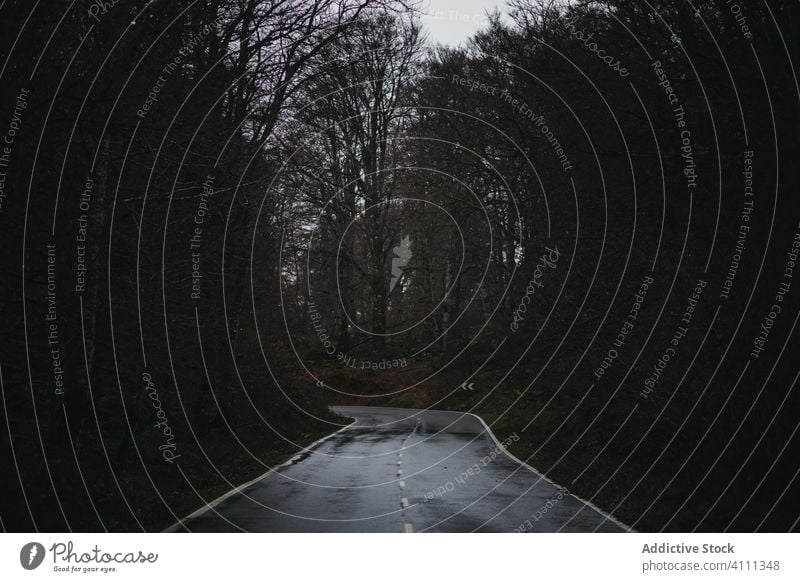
x=403 y=470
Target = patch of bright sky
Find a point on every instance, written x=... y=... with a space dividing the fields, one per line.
x=451 y=22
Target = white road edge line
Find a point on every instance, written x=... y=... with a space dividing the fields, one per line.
x=609 y=517
x=208 y=506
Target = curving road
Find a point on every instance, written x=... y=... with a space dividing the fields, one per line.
x=401 y=470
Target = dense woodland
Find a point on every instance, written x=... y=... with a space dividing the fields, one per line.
x=247 y=210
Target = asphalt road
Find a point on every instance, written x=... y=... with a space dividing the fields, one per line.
x=402 y=470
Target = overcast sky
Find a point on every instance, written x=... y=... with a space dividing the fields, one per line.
x=453 y=21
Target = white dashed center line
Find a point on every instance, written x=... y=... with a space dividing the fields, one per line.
x=407 y=527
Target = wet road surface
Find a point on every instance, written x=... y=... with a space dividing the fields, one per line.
x=402 y=470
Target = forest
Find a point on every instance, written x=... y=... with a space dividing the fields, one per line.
x=220 y=217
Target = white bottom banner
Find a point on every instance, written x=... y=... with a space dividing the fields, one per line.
x=349 y=557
